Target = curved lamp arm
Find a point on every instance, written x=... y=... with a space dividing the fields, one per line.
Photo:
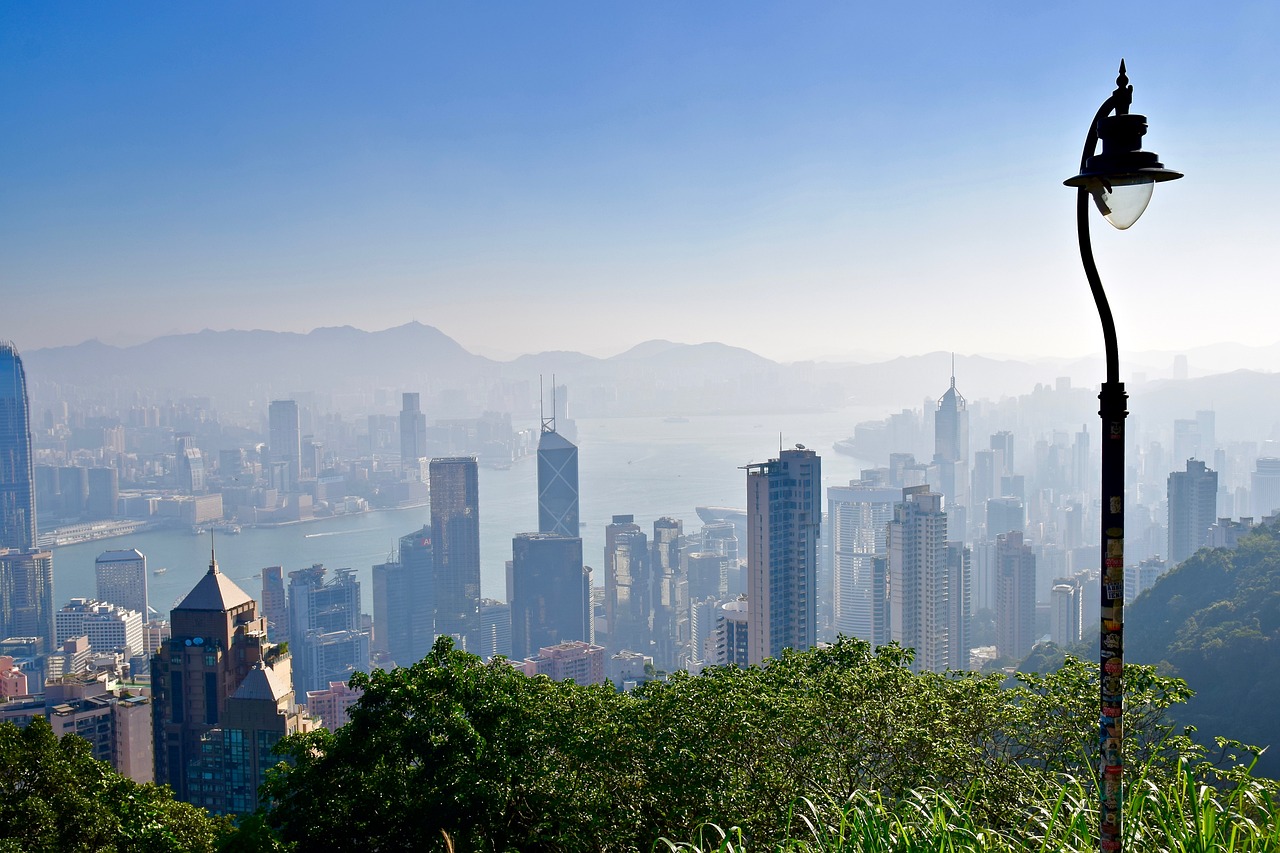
x=1119 y=101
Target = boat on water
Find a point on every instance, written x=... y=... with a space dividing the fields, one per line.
x=159 y=571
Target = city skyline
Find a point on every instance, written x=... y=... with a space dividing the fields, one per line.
x=437 y=164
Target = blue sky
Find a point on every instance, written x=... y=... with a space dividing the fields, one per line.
x=803 y=179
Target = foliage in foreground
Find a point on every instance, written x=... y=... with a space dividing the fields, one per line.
x=1242 y=817
x=55 y=797
x=501 y=762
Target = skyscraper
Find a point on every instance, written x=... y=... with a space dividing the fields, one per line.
x=404 y=604
x=721 y=537
x=325 y=630
x=26 y=595
x=1015 y=596
x=275 y=604
x=1264 y=487
x=413 y=437
x=1187 y=440
x=221 y=698
x=1005 y=514
x=784 y=518
x=549 y=591
x=959 y=603
x=919 y=586
x=191 y=471
x=557 y=483
x=104 y=493
x=122 y=580
x=951 y=447
x=1193 y=509
x=1064 y=613
x=858 y=517
x=628 y=587
x=670 y=596
x=17 y=476
x=455 y=524
x=495 y=628
x=728 y=641
x=285 y=441
x=1002 y=443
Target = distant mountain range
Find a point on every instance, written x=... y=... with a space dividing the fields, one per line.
x=656 y=377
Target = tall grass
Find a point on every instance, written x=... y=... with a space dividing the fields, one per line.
x=1187 y=815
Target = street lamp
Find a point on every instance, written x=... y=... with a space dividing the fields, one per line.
x=1120 y=180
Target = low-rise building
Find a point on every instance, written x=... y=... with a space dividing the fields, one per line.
x=112 y=718
x=331 y=705
x=578 y=661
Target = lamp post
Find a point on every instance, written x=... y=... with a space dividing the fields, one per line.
x=1120 y=180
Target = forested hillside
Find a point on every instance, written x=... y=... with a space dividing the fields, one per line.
x=1213 y=621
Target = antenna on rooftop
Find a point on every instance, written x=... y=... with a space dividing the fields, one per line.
x=548 y=423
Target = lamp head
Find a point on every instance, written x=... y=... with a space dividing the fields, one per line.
x=1122 y=176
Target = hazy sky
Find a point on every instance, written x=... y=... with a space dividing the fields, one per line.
x=803 y=178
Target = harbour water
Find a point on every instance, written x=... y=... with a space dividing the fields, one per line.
x=648 y=467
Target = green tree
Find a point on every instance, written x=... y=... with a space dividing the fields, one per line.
x=504 y=762
x=448 y=745
x=54 y=796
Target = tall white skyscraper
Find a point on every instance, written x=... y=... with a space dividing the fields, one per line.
x=858 y=517
x=919 y=586
x=951 y=447
x=784 y=519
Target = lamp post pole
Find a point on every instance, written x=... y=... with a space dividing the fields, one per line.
x=1112 y=408
x=1119 y=180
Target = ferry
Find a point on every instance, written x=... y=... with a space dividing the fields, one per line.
x=159 y=571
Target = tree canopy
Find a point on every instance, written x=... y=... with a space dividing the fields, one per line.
x=500 y=761
x=55 y=797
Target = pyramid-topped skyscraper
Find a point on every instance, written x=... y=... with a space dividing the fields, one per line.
x=221 y=692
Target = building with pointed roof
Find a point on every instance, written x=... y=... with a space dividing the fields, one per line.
x=223 y=697
x=557 y=483
x=951 y=453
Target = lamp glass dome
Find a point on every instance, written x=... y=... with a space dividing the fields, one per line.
x=1122 y=204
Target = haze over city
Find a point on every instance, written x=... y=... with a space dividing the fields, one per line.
x=554 y=426
x=837 y=181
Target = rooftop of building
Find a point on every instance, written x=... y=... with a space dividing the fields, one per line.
x=120 y=556
x=263 y=683
x=214 y=591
